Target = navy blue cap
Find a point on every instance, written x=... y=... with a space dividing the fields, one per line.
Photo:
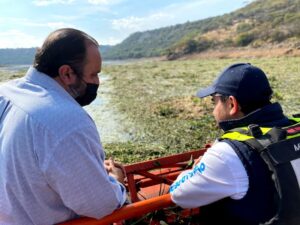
x=249 y=84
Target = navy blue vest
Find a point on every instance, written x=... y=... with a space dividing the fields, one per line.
x=258 y=205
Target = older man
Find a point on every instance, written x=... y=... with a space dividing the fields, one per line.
x=52 y=166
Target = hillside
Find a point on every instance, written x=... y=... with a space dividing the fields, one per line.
x=259 y=24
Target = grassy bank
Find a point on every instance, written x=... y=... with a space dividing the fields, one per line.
x=157 y=99
x=9 y=75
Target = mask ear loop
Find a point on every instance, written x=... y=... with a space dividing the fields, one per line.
x=75 y=93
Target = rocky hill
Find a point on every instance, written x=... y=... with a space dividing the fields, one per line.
x=259 y=24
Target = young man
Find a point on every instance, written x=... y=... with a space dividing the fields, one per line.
x=231 y=182
x=52 y=166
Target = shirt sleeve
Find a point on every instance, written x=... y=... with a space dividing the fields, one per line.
x=218 y=175
x=76 y=172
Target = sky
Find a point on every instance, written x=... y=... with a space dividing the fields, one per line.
x=26 y=23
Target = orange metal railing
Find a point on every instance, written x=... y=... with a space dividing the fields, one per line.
x=128 y=211
x=145 y=179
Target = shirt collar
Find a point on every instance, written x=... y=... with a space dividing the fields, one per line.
x=36 y=77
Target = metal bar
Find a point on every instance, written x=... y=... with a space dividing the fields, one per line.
x=149 y=182
x=157 y=178
x=126 y=212
x=132 y=188
x=168 y=160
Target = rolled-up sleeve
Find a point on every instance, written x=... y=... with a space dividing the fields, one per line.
x=218 y=175
x=76 y=172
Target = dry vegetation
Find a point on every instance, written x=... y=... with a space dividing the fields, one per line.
x=158 y=100
x=271 y=52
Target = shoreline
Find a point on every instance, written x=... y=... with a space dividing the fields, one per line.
x=226 y=53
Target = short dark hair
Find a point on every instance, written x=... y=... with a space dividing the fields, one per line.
x=250 y=107
x=63 y=46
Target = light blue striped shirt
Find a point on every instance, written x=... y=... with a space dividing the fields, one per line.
x=51 y=158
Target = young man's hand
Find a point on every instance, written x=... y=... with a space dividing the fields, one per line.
x=197 y=161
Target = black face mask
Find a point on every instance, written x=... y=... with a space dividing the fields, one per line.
x=89 y=95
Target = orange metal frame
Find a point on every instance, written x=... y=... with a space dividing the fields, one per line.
x=127 y=211
x=145 y=177
x=147 y=184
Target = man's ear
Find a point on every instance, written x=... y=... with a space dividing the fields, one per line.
x=234 y=106
x=66 y=74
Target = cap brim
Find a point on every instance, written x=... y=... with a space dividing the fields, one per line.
x=206 y=92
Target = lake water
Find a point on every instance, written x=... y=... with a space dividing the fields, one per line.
x=108 y=119
x=16 y=68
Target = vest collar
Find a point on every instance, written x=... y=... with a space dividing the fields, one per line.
x=268 y=116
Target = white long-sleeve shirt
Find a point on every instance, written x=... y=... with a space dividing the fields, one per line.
x=219 y=174
x=51 y=158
